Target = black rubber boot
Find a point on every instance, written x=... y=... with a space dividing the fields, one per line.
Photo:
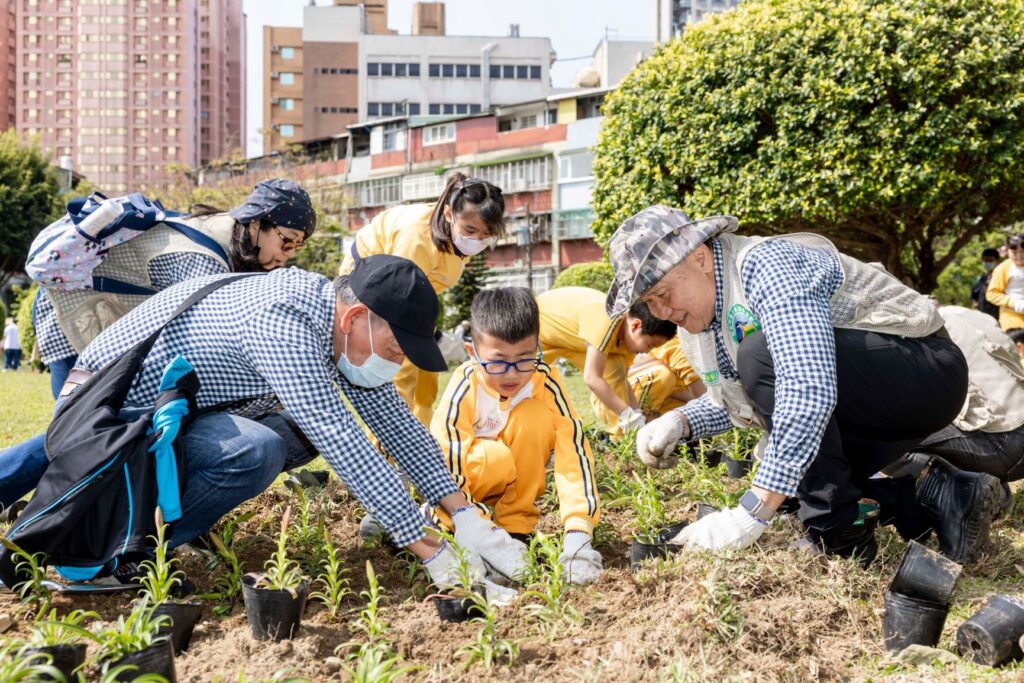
x=961 y=505
x=856 y=540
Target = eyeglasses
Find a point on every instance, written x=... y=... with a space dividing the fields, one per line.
x=501 y=367
x=1015 y=247
x=287 y=244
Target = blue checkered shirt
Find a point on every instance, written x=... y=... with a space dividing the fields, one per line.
x=788 y=288
x=268 y=339
x=164 y=271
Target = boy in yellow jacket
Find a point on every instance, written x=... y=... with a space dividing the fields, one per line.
x=1006 y=285
x=663 y=379
x=502 y=416
x=574 y=326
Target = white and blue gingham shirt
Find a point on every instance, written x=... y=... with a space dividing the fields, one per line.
x=268 y=338
x=165 y=271
x=788 y=288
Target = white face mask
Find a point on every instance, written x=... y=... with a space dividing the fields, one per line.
x=469 y=246
x=374 y=372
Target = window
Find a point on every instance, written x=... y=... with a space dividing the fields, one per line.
x=474 y=109
x=434 y=109
x=508 y=71
x=372 y=69
x=522 y=71
x=422 y=186
x=387 y=109
x=414 y=70
x=287 y=78
x=461 y=108
x=400 y=70
x=393 y=136
x=287 y=130
x=434 y=70
x=447 y=70
x=495 y=71
x=287 y=53
x=373 y=109
x=534 y=72
x=379 y=191
x=576 y=165
x=461 y=70
x=436 y=135
x=386 y=69
x=414 y=109
x=288 y=104
x=474 y=71
x=448 y=109
x=519 y=176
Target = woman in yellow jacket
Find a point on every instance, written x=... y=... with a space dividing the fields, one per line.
x=439 y=238
x=1006 y=285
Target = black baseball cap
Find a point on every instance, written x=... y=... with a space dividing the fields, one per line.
x=398 y=291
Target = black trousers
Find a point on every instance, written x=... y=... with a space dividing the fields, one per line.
x=1000 y=454
x=892 y=393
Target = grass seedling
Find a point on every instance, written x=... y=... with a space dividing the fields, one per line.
x=309 y=530
x=553 y=608
x=17 y=665
x=59 y=630
x=487 y=648
x=116 y=673
x=34 y=595
x=160 y=579
x=281 y=572
x=649 y=509
x=132 y=633
x=331 y=580
x=375 y=664
x=370 y=621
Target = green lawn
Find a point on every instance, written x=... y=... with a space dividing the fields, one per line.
x=25 y=405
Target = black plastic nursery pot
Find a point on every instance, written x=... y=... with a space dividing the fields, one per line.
x=712 y=457
x=65 y=658
x=909 y=621
x=273 y=614
x=925 y=575
x=158 y=658
x=659 y=547
x=703 y=510
x=992 y=636
x=184 y=616
x=738 y=468
x=455 y=609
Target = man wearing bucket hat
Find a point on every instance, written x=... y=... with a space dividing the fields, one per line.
x=844 y=367
x=293 y=338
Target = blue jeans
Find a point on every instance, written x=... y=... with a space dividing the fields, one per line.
x=12 y=357
x=230 y=459
x=59 y=370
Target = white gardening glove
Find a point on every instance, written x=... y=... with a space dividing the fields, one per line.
x=630 y=419
x=656 y=441
x=476 y=534
x=722 y=530
x=579 y=561
x=1017 y=305
x=443 y=567
x=499 y=595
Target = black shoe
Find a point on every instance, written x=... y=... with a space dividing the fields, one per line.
x=961 y=505
x=1006 y=502
x=856 y=540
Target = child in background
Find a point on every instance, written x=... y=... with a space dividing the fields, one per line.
x=663 y=379
x=1017 y=335
x=502 y=415
x=1006 y=285
x=574 y=326
x=439 y=238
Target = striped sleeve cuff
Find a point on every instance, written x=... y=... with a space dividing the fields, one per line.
x=704 y=418
x=778 y=476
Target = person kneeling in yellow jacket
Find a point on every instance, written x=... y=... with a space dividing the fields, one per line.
x=663 y=380
x=502 y=416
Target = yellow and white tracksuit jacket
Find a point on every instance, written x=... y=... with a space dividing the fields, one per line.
x=498 y=449
x=655 y=377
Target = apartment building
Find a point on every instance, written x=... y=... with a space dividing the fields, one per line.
x=282 y=87
x=673 y=16
x=126 y=87
x=8 y=60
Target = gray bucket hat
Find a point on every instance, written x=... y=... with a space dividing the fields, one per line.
x=649 y=244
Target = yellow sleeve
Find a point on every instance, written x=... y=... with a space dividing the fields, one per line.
x=597 y=329
x=578 y=499
x=996 y=292
x=681 y=368
x=452 y=424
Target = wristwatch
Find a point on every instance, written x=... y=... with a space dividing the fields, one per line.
x=758 y=510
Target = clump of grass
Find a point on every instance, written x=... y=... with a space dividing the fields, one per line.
x=333 y=585
x=553 y=610
x=33 y=594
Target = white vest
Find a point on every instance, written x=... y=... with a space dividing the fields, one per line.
x=995 y=378
x=84 y=313
x=869 y=298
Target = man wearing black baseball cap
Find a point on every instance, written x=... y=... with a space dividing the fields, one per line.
x=292 y=338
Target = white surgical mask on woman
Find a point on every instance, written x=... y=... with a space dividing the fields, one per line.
x=375 y=370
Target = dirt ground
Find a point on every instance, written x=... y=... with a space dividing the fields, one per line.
x=765 y=614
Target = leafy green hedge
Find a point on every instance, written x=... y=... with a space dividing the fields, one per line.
x=596 y=275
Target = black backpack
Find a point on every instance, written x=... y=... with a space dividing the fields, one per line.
x=95 y=505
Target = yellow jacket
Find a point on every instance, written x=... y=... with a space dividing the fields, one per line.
x=672 y=355
x=405 y=231
x=997 y=286
x=571 y=318
x=469 y=410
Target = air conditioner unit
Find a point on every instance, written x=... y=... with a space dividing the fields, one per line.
x=275 y=48
x=275 y=100
x=274 y=74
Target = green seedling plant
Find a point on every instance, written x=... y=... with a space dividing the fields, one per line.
x=59 y=630
x=374 y=661
x=33 y=594
x=309 y=529
x=333 y=585
x=553 y=608
x=228 y=585
x=18 y=665
x=161 y=578
x=487 y=648
x=129 y=634
x=649 y=509
x=281 y=572
x=115 y=674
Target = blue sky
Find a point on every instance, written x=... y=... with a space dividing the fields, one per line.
x=574 y=26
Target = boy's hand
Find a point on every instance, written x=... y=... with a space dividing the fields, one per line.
x=579 y=561
x=630 y=419
x=656 y=441
x=493 y=544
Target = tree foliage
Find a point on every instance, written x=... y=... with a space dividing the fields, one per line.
x=596 y=275
x=893 y=127
x=458 y=299
x=22 y=312
x=28 y=190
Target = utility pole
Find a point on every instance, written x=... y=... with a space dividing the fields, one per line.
x=529 y=250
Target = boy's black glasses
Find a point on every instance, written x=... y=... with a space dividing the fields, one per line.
x=501 y=367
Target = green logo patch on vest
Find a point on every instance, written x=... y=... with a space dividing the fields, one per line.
x=742 y=323
x=709 y=376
